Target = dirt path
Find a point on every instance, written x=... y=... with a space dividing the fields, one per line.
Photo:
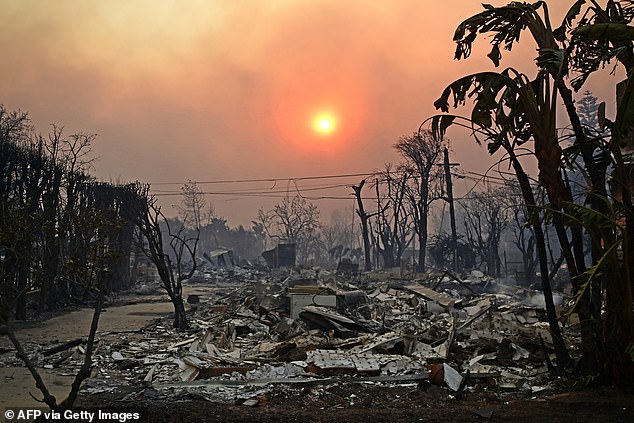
x=16 y=382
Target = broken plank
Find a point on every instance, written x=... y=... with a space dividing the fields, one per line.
x=63 y=358
x=150 y=375
x=474 y=317
x=183 y=343
x=435 y=285
x=329 y=314
x=432 y=295
x=63 y=347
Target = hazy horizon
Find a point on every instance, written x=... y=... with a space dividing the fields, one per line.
x=228 y=91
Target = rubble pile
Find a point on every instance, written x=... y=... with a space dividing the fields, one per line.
x=252 y=332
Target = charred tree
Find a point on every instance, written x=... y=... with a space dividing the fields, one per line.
x=181 y=246
x=393 y=223
x=421 y=153
x=364 y=217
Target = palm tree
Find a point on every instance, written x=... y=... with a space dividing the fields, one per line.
x=511 y=109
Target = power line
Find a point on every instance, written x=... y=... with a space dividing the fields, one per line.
x=292 y=185
x=262 y=190
x=290 y=179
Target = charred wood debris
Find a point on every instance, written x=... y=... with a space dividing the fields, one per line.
x=256 y=332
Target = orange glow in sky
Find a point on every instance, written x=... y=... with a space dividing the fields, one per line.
x=319 y=115
x=325 y=123
x=214 y=90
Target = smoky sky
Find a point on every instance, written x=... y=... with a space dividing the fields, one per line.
x=225 y=90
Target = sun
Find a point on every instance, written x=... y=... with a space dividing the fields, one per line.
x=324 y=123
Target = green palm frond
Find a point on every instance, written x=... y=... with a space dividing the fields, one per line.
x=589 y=276
x=592 y=219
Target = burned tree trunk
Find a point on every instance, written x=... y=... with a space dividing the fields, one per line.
x=365 y=231
x=172 y=274
x=563 y=358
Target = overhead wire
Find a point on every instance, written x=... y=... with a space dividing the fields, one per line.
x=301 y=178
x=294 y=186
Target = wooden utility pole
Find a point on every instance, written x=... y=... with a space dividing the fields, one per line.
x=452 y=213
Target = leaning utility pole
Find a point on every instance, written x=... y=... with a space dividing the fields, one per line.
x=452 y=213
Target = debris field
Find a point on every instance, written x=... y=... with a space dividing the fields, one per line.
x=256 y=334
